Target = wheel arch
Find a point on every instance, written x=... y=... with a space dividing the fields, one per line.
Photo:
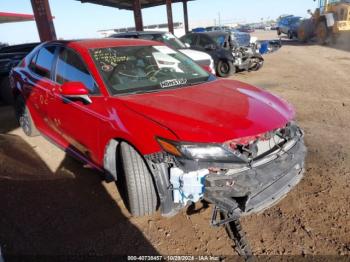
x=111 y=157
x=226 y=56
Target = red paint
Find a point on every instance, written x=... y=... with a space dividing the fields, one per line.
x=73 y=88
x=209 y=69
x=217 y=111
x=12 y=17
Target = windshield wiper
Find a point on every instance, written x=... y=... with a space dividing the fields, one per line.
x=210 y=78
x=143 y=92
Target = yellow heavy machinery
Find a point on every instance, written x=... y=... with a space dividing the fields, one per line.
x=330 y=20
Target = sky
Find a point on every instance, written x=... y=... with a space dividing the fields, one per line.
x=76 y=20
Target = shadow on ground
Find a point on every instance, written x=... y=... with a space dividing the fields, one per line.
x=7 y=118
x=67 y=212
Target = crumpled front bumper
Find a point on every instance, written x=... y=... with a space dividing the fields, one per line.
x=257 y=188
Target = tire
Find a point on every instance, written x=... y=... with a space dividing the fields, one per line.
x=334 y=39
x=304 y=32
x=302 y=36
x=290 y=35
x=278 y=32
x=24 y=118
x=225 y=68
x=322 y=33
x=6 y=91
x=140 y=190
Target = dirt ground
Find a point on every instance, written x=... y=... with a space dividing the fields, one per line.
x=51 y=204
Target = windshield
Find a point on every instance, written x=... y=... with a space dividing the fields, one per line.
x=139 y=69
x=295 y=19
x=170 y=40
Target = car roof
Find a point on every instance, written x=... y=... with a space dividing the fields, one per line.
x=141 y=33
x=106 y=42
x=290 y=17
x=213 y=33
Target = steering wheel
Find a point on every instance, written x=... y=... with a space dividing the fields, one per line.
x=154 y=74
x=151 y=70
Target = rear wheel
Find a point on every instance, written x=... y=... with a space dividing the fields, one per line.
x=225 y=68
x=322 y=33
x=6 y=92
x=305 y=31
x=290 y=35
x=141 y=196
x=278 y=32
x=24 y=118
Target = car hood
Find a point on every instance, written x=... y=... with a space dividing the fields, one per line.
x=213 y=112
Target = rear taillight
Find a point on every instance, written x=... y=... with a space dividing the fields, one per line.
x=209 y=69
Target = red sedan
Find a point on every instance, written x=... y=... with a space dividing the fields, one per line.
x=156 y=122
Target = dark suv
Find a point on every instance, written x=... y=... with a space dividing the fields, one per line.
x=10 y=56
x=228 y=56
x=289 y=25
x=218 y=45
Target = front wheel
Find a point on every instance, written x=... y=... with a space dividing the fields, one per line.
x=302 y=35
x=24 y=118
x=225 y=68
x=322 y=33
x=141 y=196
x=290 y=35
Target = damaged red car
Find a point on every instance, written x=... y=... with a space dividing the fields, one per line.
x=165 y=129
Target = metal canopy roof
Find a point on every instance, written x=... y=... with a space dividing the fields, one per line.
x=127 y=4
x=12 y=17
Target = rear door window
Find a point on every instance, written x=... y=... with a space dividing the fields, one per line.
x=42 y=65
x=71 y=68
x=204 y=41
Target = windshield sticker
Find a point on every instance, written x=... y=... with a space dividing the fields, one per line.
x=173 y=82
x=165 y=50
x=107 y=57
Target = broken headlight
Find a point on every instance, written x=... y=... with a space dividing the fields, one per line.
x=214 y=152
x=239 y=151
x=200 y=152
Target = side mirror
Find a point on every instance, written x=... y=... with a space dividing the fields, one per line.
x=75 y=91
x=210 y=47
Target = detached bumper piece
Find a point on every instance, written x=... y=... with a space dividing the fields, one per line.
x=234 y=230
x=257 y=188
